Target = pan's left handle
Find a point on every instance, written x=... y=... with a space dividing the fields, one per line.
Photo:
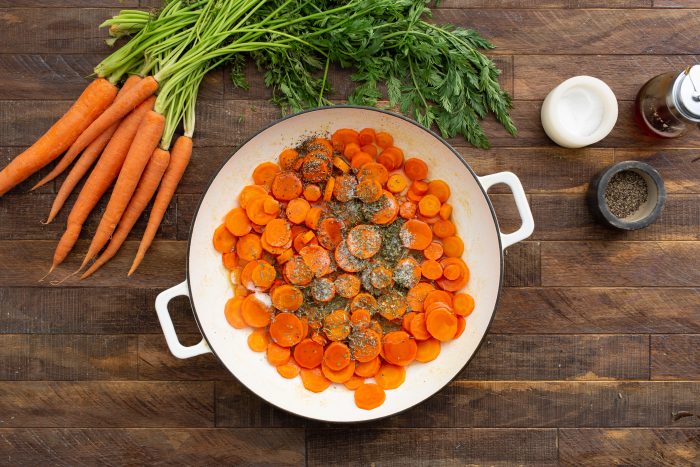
x=528 y=222
x=177 y=349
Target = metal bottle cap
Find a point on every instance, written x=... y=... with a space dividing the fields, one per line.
x=686 y=93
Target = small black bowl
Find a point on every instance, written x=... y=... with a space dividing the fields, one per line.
x=647 y=212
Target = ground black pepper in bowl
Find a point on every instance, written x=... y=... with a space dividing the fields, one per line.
x=626 y=192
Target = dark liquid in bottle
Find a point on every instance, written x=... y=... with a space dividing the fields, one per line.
x=653 y=113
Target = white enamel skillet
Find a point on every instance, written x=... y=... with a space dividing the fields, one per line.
x=208 y=287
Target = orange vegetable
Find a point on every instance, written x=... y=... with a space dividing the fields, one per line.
x=428 y=350
x=237 y=222
x=223 y=240
x=415 y=169
x=389 y=209
x=336 y=325
x=399 y=348
x=440 y=189
x=390 y=376
x=443 y=228
x=248 y=247
x=337 y=356
x=453 y=246
x=297 y=272
x=277 y=355
x=265 y=172
x=289 y=370
x=258 y=340
x=417 y=327
x=287 y=298
x=354 y=382
x=396 y=183
x=308 y=354
x=441 y=324
x=314 y=380
x=286 y=186
x=416 y=295
x=431 y=269
x=368 y=190
x=288 y=158
x=296 y=210
x=365 y=344
x=369 y=396
x=368 y=369
x=433 y=251
x=233 y=313
x=347 y=285
x=330 y=233
x=463 y=304
x=416 y=234
x=366 y=136
x=361 y=317
x=384 y=139
x=445 y=211
x=338 y=376
x=312 y=193
x=286 y=329
x=255 y=313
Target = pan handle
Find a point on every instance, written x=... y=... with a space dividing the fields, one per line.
x=177 y=349
x=528 y=223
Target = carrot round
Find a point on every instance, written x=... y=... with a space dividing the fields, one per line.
x=453 y=246
x=428 y=350
x=390 y=376
x=384 y=139
x=248 y=247
x=337 y=356
x=388 y=209
x=368 y=369
x=308 y=353
x=258 y=340
x=365 y=344
x=431 y=269
x=338 y=376
x=312 y=193
x=369 y=396
x=354 y=382
x=265 y=172
x=93 y=149
x=415 y=169
x=297 y=209
x=289 y=370
x=145 y=190
x=297 y=272
x=249 y=193
x=416 y=295
x=277 y=355
x=439 y=189
x=443 y=228
x=317 y=259
x=364 y=241
x=286 y=329
x=396 y=183
x=441 y=324
x=463 y=304
x=336 y=325
x=433 y=251
x=313 y=379
x=141 y=150
x=347 y=285
x=255 y=313
x=399 y=348
x=361 y=317
x=416 y=234
x=287 y=298
x=93 y=102
x=237 y=222
x=232 y=311
x=429 y=205
x=330 y=233
x=99 y=180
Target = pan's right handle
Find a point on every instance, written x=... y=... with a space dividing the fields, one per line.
x=528 y=222
x=177 y=349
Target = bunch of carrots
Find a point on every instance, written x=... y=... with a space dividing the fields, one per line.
x=344 y=259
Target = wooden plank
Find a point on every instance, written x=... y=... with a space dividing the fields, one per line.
x=69 y=3
x=639 y=447
x=530 y=404
x=537 y=75
x=675 y=357
x=236 y=406
x=680 y=168
x=553 y=310
x=23 y=213
x=53 y=30
x=64 y=76
x=67 y=357
x=26 y=261
x=152 y=446
x=522 y=265
x=542 y=357
x=156 y=362
x=652 y=264
x=88 y=310
x=568 y=217
x=381 y=447
x=107 y=404
x=580 y=32
x=676 y=4
x=542 y=4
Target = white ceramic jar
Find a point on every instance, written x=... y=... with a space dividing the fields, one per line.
x=579 y=112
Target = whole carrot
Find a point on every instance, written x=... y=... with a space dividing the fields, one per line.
x=179 y=158
x=145 y=190
x=115 y=112
x=145 y=142
x=95 y=148
x=101 y=177
x=92 y=102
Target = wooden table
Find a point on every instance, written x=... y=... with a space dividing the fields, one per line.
x=594 y=348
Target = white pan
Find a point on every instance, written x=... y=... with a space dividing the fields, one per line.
x=208 y=287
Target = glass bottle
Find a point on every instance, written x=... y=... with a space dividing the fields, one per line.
x=668 y=104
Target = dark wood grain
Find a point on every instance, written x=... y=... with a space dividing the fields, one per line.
x=619 y=264
x=152 y=446
x=23 y=215
x=561 y=31
x=680 y=168
x=675 y=357
x=536 y=357
x=553 y=310
x=156 y=362
x=562 y=217
x=522 y=265
x=530 y=404
x=676 y=4
x=67 y=357
x=53 y=30
x=236 y=406
x=625 y=74
x=69 y=3
x=638 y=447
x=99 y=310
x=26 y=261
x=93 y=404
x=427 y=448
x=545 y=4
